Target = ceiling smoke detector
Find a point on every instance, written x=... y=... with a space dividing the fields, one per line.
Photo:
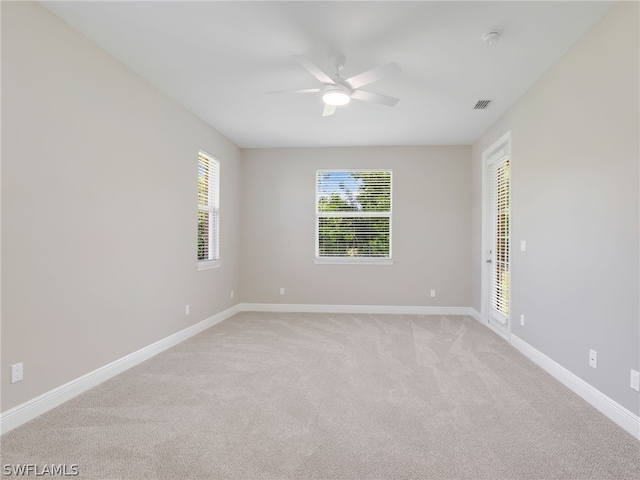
x=491 y=38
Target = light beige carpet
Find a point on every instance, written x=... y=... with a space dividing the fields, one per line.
x=311 y=396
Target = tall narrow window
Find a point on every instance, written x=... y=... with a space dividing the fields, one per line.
x=208 y=211
x=500 y=224
x=353 y=216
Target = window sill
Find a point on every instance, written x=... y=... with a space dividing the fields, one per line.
x=208 y=265
x=353 y=261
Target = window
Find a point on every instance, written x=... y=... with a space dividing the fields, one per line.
x=501 y=174
x=208 y=211
x=353 y=216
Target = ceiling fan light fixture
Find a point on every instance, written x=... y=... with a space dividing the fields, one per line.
x=336 y=97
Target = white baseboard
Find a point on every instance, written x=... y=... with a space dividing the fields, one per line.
x=475 y=314
x=612 y=409
x=31 y=409
x=501 y=333
x=311 y=308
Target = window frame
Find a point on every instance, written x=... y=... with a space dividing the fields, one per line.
x=353 y=260
x=213 y=208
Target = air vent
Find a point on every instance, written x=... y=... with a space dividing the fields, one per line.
x=482 y=104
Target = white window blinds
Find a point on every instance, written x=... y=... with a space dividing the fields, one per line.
x=353 y=214
x=500 y=223
x=208 y=207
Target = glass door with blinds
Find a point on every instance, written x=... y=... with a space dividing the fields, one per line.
x=497 y=179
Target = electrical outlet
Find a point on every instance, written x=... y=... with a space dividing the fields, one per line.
x=433 y=293
x=522 y=320
x=523 y=245
x=17 y=372
x=231 y=294
x=281 y=290
x=186 y=309
x=635 y=380
x=593 y=359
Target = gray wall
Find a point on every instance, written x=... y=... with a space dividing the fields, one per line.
x=99 y=206
x=431 y=228
x=575 y=200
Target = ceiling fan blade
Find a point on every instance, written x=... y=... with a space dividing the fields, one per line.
x=314 y=70
x=306 y=90
x=373 y=75
x=374 y=98
x=328 y=110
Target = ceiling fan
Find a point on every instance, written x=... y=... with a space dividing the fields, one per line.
x=337 y=91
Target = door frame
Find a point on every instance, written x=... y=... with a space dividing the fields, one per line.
x=503 y=144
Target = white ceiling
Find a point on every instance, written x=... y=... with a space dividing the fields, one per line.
x=219 y=58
